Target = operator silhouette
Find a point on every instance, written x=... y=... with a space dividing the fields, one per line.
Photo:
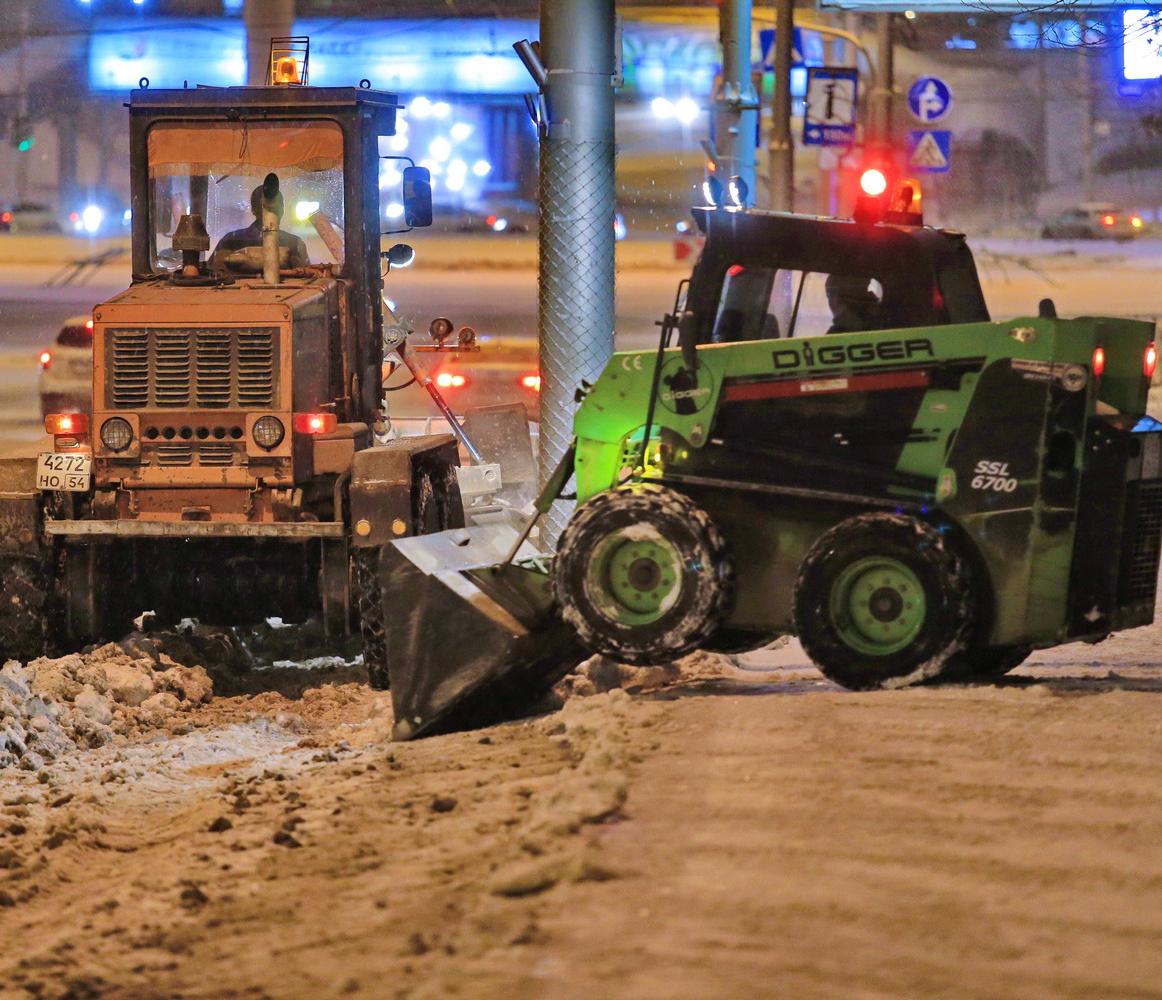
x=251 y=236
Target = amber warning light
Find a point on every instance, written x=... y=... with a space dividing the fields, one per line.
x=532 y=382
x=66 y=423
x=315 y=423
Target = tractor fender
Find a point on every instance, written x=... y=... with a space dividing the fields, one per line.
x=392 y=487
x=21 y=517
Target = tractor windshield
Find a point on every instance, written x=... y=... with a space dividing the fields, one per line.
x=214 y=168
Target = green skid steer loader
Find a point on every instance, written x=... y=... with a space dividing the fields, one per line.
x=841 y=446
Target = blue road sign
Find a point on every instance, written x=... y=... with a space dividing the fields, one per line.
x=829 y=118
x=767 y=48
x=930 y=151
x=929 y=99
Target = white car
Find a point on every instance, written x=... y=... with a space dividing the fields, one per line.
x=66 y=369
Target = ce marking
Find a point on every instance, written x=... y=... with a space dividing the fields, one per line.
x=632 y=364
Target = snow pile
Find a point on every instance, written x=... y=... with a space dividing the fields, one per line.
x=50 y=707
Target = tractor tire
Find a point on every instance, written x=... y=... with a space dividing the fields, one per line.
x=642 y=575
x=25 y=590
x=984 y=665
x=883 y=600
x=369 y=607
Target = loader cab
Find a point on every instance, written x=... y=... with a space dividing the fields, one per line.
x=767 y=275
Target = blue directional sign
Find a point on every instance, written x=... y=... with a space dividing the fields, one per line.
x=767 y=48
x=829 y=116
x=930 y=151
x=929 y=99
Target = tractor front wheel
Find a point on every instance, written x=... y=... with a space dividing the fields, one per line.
x=883 y=600
x=642 y=574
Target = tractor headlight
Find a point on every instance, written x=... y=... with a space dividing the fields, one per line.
x=116 y=434
x=268 y=432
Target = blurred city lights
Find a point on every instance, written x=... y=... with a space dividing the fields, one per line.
x=421 y=107
x=460 y=131
x=458 y=168
x=481 y=168
x=440 y=148
x=91 y=218
x=455 y=182
x=441 y=109
x=389 y=176
x=399 y=143
x=393 y=210
x=662 y=108
x=686 y=110
x=305 y=209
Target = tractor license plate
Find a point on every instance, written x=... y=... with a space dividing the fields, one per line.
x=61 y=471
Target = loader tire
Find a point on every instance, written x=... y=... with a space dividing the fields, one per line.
x=883 y=600
x=369 y=605
x=984 y=665
x=642 y=575
x=25 y=589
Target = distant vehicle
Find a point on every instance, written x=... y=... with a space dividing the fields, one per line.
x=520 y=220
x=1094 y=221
x=100 y=215
x=504 y=370
x=66 y=369
x=29 y=217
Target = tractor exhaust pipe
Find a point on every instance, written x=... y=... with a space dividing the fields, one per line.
x=271 y=216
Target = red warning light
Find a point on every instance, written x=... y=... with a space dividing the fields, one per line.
x=873 y=182
x=1150 y=360
x=1098 y=362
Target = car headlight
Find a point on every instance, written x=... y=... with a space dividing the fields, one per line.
x=268 y=432
x=116 y=434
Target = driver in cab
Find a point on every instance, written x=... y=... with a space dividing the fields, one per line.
x=251 y=236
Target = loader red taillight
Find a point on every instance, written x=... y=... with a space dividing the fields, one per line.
x=1150 y=360
x=451 y=380
x=66 y=423
x=1098 y=362
x=532 y=382
x=315 y=423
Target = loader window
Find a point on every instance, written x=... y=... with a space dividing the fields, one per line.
x=762 y=303
x=212 y=168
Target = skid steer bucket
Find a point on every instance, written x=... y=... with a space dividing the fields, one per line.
x=472 y=639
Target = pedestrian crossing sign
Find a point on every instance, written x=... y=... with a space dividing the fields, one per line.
x=930 y=151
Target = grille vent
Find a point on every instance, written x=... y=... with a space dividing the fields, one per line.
x=203 y=368
x=1144 y=525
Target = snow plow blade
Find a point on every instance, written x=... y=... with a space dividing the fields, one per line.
x=471 y=639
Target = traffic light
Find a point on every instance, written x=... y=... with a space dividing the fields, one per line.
x=21 y=136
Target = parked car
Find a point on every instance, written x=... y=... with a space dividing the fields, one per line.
x=1094 y=221
x=66 y=369
x=29 y=217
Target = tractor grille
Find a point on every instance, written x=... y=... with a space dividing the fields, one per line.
x=203 y=453
x=1143 y=536
x=203 y=368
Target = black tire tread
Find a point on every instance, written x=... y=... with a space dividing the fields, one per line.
x=369 y=606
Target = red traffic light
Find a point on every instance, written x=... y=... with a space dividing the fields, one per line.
x=873 y=182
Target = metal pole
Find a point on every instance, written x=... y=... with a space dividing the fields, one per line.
x=576 y=288
x=781 y=152
x=265 y=19
x=881 y=102
x=22 y=100
x=737 y=109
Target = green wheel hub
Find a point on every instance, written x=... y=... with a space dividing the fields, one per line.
x=635 y=580
x=877 y=606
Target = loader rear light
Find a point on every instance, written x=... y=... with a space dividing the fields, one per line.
x=1098 y=363
x=451 y=380
x=45 y=359
x=315 y=423
x=1150 y=361
x=66 y=423
x=532 y=382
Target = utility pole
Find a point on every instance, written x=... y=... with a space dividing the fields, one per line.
x=22 y=100
x=736 y=112
x=1086 y=83
x=881 y=97
x=265 y=19
x=780 y=150
x=576 y=246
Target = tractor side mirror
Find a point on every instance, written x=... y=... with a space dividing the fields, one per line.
x=417 y=197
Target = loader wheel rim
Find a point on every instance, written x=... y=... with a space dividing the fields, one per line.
x=877 y=606
x=641 y=578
